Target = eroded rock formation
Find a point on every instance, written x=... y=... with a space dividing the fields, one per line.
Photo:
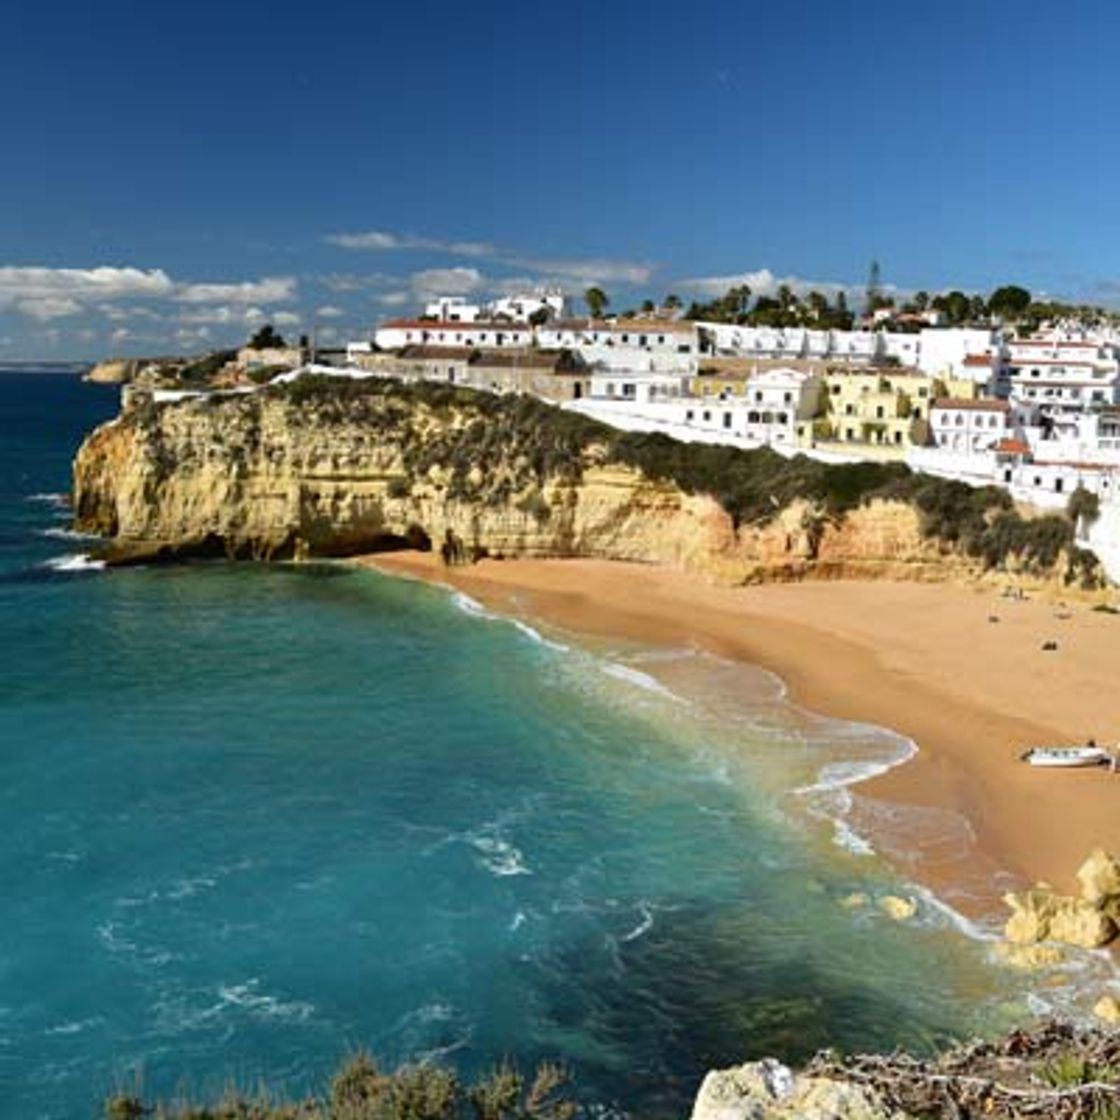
x=305 y=472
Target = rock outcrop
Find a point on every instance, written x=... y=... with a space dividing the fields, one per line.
x=768 y=1090
x=314 y=471
x=1087 y=922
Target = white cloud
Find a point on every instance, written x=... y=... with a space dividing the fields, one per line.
x=121 y=334
x=585 y=272
x=272 y=289
x=286 y=319
x=594 y=270
x=394 y=299
x=329 y=312
x=763 y=282
x=351 y=282
x=33 y=286
x=446 y=281
x=380 y=241
x=44 y=308
x=373 y=239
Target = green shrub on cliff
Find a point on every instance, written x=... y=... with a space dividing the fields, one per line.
x=493 y=448
x=360 y=1090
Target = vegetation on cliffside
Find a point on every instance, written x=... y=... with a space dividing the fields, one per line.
x=493 y=447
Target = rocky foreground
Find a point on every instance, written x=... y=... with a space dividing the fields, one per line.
x=1055 y=1071
x=329 y=467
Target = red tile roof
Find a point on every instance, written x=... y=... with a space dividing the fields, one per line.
x=979 y=359
x=1012 y=447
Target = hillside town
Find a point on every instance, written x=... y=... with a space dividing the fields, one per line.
x=1036 y=413
x=1039 y=415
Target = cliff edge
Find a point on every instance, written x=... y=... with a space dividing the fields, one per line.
x=332 y=467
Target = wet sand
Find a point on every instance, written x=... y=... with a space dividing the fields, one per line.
x=921 y=659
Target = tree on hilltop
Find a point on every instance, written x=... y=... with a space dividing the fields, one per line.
x=266 y=339
x=1009 y=302
x=596 y=300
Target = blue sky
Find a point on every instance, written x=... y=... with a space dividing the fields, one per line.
x=173 y=173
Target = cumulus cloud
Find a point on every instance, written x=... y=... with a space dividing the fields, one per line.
x=286 y=319
x=762 y=282
x=34 y=286
x=272 y=289
x=446 y=282
x=44 y=308
x=327 y=311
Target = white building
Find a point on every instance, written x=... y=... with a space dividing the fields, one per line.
x=452 y=309
x=969 y=427
x=626 y=345
x=427 y=332
x=520 y=307
x=945 y=353
x=1063 y=376
x=776 y=401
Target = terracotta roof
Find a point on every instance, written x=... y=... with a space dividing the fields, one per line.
x=979 y=359
x=1012 y=447
x=972 y=406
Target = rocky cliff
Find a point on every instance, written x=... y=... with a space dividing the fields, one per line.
x=328 y=468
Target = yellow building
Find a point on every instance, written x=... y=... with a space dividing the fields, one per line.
x=877 y=407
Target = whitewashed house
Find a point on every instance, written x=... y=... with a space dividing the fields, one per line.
x=970 y=427
x=1063 y=376
x=483 y=333
x=638 y=346
x=778 y=403
x=452 y=309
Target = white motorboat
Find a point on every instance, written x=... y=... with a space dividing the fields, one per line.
x=1067 y=756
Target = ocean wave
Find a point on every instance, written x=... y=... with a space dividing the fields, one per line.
x=643 y=927
x=475 y=609
x=471 y=606
x=57 y=532
x=261 y=1005
x=498 y=855
x=639 y=679
x=75 y=1027
x=59 y=501
x=79 y=562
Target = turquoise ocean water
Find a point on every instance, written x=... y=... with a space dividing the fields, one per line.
x=256 y=817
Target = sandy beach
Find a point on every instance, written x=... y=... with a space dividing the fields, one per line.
x=924 y=660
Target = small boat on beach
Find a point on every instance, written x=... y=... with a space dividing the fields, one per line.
x=1067 y=756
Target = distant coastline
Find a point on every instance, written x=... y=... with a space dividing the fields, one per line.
x=31 y=366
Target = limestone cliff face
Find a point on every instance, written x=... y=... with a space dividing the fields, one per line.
x=275 y=475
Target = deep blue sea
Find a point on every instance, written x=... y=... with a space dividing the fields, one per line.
x=256 y=817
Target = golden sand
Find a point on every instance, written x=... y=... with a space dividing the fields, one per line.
x=959 y=671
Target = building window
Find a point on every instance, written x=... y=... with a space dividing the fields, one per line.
x=628 y=389
x=707 y=417
x=688 y=416
x=727 y=419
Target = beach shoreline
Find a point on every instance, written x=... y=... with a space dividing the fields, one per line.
x=960 y=672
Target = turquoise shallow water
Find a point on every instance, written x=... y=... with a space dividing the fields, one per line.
x=255 y=817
